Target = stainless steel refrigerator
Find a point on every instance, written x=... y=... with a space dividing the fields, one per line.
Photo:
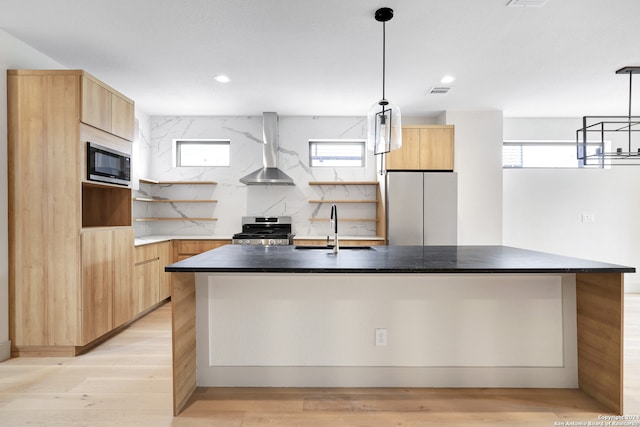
x=422 y=208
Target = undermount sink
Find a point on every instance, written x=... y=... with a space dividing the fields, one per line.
x=331 y=247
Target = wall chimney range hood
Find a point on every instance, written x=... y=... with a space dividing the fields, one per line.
x=269 y=174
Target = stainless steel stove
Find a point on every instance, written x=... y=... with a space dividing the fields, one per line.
x=265 y=231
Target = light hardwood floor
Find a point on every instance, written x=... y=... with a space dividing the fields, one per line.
x=127 y=382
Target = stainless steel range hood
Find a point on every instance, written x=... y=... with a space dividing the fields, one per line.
x=269 y=174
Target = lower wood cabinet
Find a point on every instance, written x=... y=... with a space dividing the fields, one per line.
x=107 y=273
x=165 y=253
x=184 y=249
x=147 y=276
x=151 y=283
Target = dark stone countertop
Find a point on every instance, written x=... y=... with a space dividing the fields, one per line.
x=388 y=259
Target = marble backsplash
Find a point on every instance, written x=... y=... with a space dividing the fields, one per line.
x=235 y=199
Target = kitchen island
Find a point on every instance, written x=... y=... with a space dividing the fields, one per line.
x=506 y=317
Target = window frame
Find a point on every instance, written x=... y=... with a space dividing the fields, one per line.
x=179 y=142
x=554 y=143
x=320 y=141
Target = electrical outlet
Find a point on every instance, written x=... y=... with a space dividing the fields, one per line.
x=381 y=336
x=588 y=217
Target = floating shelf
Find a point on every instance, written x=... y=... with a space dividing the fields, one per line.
x=175 y=219
x=150 y=181
x=343 y=182
x=144 y=199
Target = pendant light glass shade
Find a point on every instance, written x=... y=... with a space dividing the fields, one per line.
x=384 y=127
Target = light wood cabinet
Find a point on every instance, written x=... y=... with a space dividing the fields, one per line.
x=165 y=253
x=123 y=254
x=429 y=147
x=184 y=249
x=58 y=276
x=97 y=284
x=106 y=109
x=122 y=117
x=151 y=283
x=147 y=277
x=146 y=284
x=107 y=268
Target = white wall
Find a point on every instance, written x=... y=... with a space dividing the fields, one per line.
x=478 y=161
x=543 y=207
x=14 y=54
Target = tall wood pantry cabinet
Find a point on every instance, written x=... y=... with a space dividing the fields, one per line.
x=424 y=147
x=70 y=240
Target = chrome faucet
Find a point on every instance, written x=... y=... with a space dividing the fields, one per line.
x=334 y=225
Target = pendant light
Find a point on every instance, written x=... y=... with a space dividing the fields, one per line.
x=384 y=122
x=610 y=140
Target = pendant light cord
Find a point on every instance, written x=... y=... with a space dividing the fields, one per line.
x=630 y=75
x=384 y=44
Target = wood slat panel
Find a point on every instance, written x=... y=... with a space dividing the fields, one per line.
x=600 y=307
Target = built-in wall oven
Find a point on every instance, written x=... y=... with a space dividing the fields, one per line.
x=108 y=165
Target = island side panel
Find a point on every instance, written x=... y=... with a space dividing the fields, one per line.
x=600 y=308
x=183 y=331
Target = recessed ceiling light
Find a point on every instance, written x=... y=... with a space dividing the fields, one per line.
x=447 y=79
x=221 y=78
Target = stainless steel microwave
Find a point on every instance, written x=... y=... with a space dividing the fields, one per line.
x=108 y=165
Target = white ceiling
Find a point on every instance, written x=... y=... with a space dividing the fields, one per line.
x=324 y=57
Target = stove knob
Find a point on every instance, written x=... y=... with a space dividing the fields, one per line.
x=272 y=242
x=246 y=242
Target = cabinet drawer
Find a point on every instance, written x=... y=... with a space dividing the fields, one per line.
x=146 y=253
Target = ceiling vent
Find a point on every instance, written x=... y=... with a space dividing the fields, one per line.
x=526 y=3
x=439 y=90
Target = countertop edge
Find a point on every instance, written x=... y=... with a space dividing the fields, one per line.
x=391 y=259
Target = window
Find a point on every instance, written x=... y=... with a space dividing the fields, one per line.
x=336 y=152
x=201 y=152
x=544 y=154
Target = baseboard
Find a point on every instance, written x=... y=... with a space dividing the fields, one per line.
x=632 y=288
x=5 y=350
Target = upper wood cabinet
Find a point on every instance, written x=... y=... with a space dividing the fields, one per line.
x=122 y=117
x=106 y=109
x=428 y=147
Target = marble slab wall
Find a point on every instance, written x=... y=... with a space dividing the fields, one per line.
x=235 y=199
